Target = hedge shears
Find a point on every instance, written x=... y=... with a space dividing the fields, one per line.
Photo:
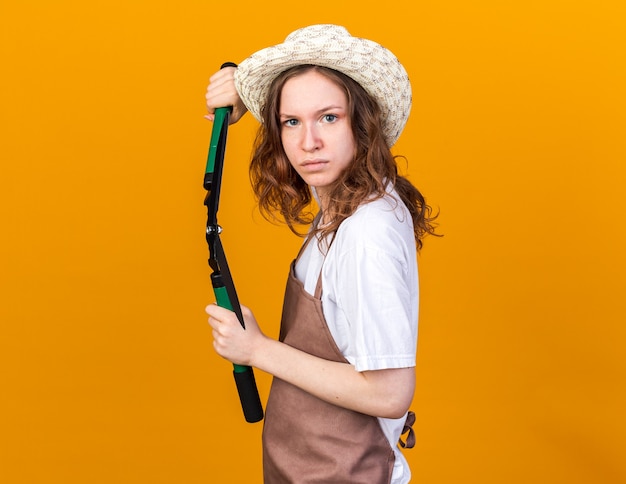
x=221 y=279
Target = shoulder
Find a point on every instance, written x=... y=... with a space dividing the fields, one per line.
x=383 y=224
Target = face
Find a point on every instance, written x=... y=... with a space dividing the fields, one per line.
x=315 y=129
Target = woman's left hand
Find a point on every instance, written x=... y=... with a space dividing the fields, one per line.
x=230 y=340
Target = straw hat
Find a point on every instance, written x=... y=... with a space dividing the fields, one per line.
x=375 y=68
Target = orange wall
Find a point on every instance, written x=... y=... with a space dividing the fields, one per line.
x=517 y=134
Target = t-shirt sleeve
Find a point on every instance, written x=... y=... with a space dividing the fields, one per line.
x=378 y=299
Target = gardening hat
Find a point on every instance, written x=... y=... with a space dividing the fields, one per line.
x=373 y=66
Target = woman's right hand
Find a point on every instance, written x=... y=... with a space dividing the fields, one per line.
x=222 y=92
x=230 y=340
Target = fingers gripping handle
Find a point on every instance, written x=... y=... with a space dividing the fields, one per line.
x=244 y=375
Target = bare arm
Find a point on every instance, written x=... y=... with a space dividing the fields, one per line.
x=380 y=393
x=221 y=92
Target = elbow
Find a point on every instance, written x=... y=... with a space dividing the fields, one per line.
x=395 y=404
x=392 y=392
x=395 y=408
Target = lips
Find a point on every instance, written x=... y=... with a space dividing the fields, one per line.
x=312 y=164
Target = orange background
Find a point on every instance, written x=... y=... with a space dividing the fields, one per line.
x=517 y=134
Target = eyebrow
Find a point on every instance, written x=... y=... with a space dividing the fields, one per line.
x=332 y=107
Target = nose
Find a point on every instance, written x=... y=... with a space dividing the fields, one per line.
x=311 y=140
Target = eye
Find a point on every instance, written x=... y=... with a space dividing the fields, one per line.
x=330 y=118
x=290 y=122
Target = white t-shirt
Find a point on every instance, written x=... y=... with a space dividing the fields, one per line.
x=370 y=294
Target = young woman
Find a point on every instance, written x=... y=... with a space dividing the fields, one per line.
x=331 y=105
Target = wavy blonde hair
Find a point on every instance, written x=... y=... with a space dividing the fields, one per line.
x=284 y=196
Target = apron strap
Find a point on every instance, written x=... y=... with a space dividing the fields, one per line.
x=309 y=235
x=318 y=287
